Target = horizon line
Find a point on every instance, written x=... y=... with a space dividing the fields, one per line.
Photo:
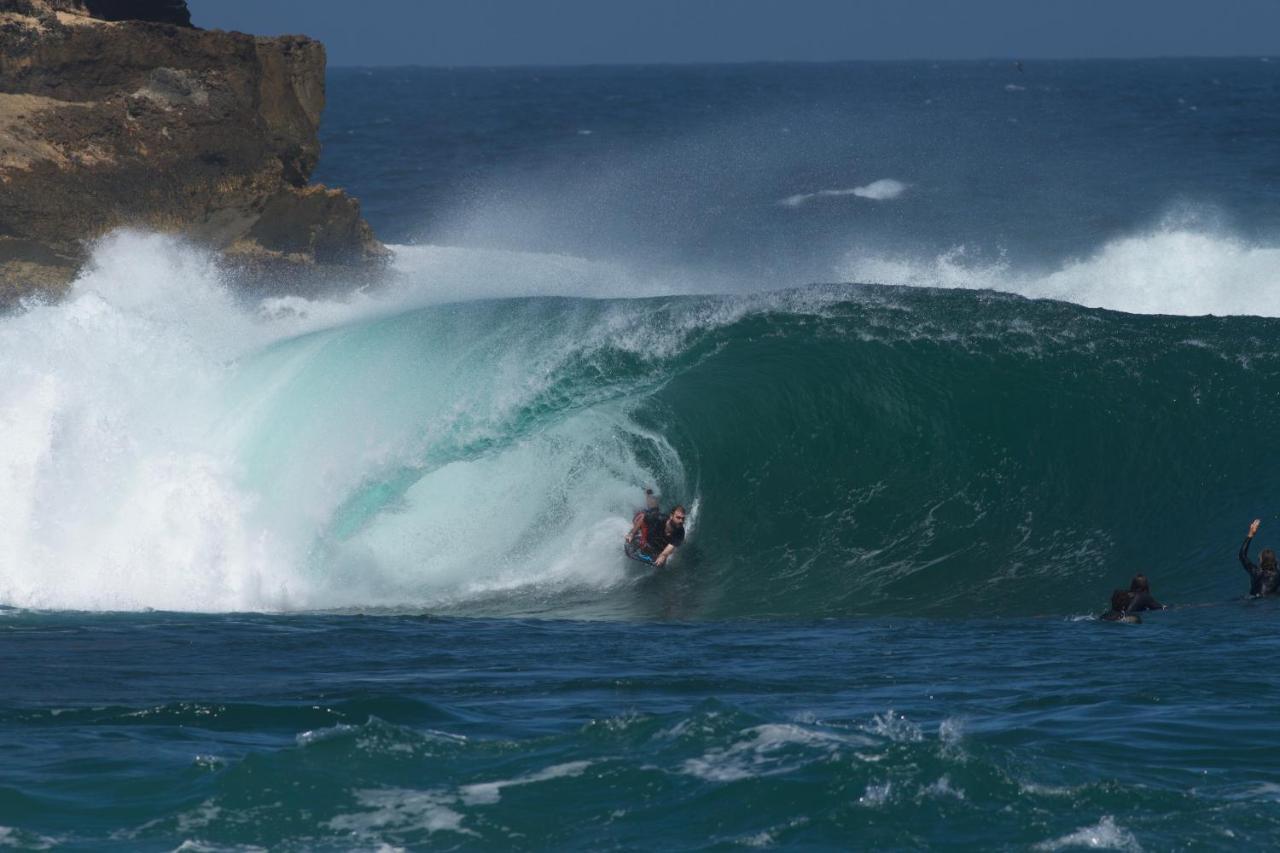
x=696 y=63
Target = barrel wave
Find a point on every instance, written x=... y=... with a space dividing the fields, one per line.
x=844 y=450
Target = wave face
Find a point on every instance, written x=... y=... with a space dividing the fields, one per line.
x=844 y=449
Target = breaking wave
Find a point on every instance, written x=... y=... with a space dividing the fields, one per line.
x=1170 y=270
x=441 y=444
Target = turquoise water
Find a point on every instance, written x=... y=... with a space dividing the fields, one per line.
x=936 y=356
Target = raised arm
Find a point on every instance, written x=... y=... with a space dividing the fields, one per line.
x=1143 y=601
x=1244 y=548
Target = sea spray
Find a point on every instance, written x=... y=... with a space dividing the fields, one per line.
x=1169 y=270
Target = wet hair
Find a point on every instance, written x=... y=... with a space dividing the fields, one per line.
x=1267 y=560
x=650 y=498
x=1120 y=600
x=680 y=509
x=1139 y=583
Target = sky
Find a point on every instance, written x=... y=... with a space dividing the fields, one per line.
x=581 y=32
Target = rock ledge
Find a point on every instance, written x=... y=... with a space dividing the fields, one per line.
x=119 y=113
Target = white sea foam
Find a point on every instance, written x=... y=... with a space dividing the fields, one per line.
x=876 y=795
x=951 y=739
x=1104 y=835
x=437 y=809
x=895 y=727
x=401 y=809
x=12 y=837
x=942 y=789
x=768 y=750
x=769 y=837
x=1170 y=270
x=102 y=446
x=488 y=793
x=191 y=845
x=881 y=190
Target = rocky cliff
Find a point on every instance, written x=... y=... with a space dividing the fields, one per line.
x=120 y=113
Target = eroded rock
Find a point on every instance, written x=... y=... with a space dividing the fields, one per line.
x=116 y=114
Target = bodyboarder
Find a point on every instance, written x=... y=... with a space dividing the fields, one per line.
x=1263 y=578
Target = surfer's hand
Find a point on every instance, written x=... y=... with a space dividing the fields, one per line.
x=1253 y=528
x=661 y=561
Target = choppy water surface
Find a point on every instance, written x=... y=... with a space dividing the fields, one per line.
x=937 y=355
x=343 y=732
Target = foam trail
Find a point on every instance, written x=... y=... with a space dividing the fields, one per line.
x=881 y=190
x=1167 y=271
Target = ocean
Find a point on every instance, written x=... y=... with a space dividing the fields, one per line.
x=936 y=355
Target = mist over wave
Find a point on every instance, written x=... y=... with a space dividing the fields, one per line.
x=1169 y=270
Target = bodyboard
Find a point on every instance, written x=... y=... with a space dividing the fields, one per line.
x=636 y=554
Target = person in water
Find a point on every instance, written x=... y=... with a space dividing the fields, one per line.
x=1140 y=597
x=1119 y=611
x=1263 y=578
x=644 y=520
x=1127 y=603
x=667 y=537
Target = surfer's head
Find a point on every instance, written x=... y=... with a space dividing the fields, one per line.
x=677 y=516
x=650 y=499
x=1267 y=560
x=1140 y=584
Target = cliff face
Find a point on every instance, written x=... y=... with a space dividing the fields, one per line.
x=119 y=113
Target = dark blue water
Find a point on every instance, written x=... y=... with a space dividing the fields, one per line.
x=345 y=573
x=340 y=732
x=685 y=166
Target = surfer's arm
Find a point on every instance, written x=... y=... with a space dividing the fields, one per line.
x=1244 y=549
x=1244 y=554
x=1143 y=601
x=666 y=553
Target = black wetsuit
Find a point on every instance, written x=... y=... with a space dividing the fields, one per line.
x=1135 y=603
x=1260 y=582
x=1142 y=601
x=659 y=539
x=651 y=526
